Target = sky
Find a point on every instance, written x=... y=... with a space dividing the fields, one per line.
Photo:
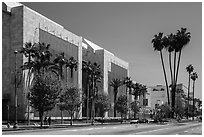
x=127 y=28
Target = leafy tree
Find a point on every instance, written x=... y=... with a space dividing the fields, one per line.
x=103 y=104
x=115 y=83
x=179 y=107
x=165 y=110
x=134 y=107
x=121 y=105
x=71 y=101
x=44 y=93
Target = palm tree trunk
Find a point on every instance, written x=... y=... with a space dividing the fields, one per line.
x=71 y=69
x=174 y=67
x=121 y=117
x=135 y=107
x=193 y=99
x=115 y=96
x=178 y=66
x=167 y=88
x=188 y=94
x=92 y=108
x=41 y=118
x=87 y=103
x=27 y=85
x=60 y=78
x=170 y=68
x=173 y=90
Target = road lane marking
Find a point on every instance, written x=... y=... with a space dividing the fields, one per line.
x=151 y=131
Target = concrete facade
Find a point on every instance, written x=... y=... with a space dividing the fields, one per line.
x=21 y=24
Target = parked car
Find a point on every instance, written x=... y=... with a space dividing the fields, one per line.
x=143 y=121
x=134 y=121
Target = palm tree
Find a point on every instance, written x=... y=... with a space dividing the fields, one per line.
x=87 y=67
x=158 y=45
x=194 y=76
x=38 y=58
x=72 y=64
x=96 y=77
x=169 y=43
x=29 y=51
x=128 y=83
x=143 y=91
x=182 y=38
x=38 y=55
x=136 y=89
x=59 y=62
x=189 y=69
x=115 y=83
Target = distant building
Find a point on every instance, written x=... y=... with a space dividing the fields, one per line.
x=158 y=95
x=21 y=24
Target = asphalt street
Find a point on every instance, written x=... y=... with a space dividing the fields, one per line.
x=190 y=128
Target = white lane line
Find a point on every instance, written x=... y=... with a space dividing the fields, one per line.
x=185 y=131
x=151 y=131
x=68 y=130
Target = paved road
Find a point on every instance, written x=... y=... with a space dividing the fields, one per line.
x=124 y=129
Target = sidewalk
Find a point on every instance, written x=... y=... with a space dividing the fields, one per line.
x=37 y=126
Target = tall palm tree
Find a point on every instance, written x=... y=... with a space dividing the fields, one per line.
x=96 y=76
x=182 y=38
x=179 y=41
x=115 y=83
x=169 y=43
x=194 y=76
x=159 y=46
x=59 y=62
x=189 y=69
x=87 y=67
x=143 y=91
x=38 y=55
x=128 y=83
x=29 y=52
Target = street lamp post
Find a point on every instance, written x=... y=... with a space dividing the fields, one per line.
x=15 y=98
